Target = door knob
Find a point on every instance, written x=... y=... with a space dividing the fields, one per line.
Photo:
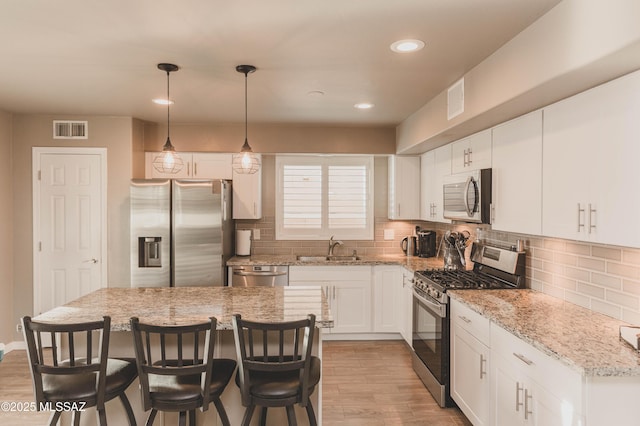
x=94 y=260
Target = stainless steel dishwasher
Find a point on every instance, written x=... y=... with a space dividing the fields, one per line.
x=259 y=276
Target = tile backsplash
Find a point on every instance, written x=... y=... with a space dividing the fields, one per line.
x=599 y=277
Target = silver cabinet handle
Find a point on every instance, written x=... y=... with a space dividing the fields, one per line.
x=591 y=213
x=465 y=319
x=527 y=397
x=188 y=169
x=464 y=159
x=492 y=208
x=469 y=154
x=518 y=390
x=255 y=209
x=398 y=209
x=93 y=260
x=523 y=358
x=483 y=363
x=195 y=169
x=580 y=225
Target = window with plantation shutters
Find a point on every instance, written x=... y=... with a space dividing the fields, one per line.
x=322 y=196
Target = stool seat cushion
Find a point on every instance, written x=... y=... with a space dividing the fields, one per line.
x=279 y=384
x=82 y=387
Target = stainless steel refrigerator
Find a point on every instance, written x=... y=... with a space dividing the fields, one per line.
x=181 y=232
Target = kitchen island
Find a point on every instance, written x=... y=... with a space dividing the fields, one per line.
x=181 y=305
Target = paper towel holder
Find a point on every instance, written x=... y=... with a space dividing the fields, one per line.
x=244 y=239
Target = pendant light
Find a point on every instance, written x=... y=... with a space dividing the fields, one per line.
x=168 y=161
x=246 y=162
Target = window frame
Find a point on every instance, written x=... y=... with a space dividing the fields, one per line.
x=324 y=233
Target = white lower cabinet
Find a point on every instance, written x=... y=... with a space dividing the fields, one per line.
x=529 y=387
x=470 y=364
x=348 y=291
x=387 y=297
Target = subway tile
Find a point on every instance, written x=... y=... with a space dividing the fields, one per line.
x=553 y=268
x=632 y=287
x=542 y=254
x=554 y=291
x=606 y=281
x=632 y=317
x=554 y=244
x=563 y=282
x=578 y=248
x=535 y=263
x=536 y=285
x=626 y=271
x=590 y=290
x=592 y=263
x=565 y=259
x=622 y=299
x=577 y=299
x=543 y=276
x=577 y=274
x=609 y=253
x=606 y=308
x=631 y=256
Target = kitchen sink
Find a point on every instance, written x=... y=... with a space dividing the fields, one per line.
x=326 y=258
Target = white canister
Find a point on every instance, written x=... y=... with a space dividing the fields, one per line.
x=243 y=242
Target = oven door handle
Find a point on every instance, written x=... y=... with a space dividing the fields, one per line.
x=437 y=308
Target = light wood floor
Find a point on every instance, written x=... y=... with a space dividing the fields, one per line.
x=364 y=383
x=373 y=383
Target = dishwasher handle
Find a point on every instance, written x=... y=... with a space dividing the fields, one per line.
x=259 y=274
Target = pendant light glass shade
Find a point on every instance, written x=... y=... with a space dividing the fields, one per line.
x=246 y=162
x=168 y=162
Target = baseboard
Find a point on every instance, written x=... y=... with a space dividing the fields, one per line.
x=15 y=346
x=361 y=336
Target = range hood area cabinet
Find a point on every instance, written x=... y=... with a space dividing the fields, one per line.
x=197 y=165
x=471 y=153
x=590 y=165
x=404 y=187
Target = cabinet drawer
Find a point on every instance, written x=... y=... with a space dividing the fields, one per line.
x=330 y=273
x=471 y=321
x=555 y=377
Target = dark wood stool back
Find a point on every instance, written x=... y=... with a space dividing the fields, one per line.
x=276 y=368
x=177 y=370
x=74 y=372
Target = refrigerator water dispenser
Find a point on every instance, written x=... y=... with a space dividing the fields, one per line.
x=149 y=249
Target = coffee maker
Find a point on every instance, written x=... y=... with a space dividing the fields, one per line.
x=426 y=243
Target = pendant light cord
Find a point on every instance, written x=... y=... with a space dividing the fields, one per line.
x=245 y=106
x=168 y=105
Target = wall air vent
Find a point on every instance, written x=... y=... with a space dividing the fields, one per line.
x=69 y=129
x=455 y=99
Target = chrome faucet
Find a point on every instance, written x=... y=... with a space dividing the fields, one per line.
x=332 y=245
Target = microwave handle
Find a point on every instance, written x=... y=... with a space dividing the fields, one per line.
x=466 y=199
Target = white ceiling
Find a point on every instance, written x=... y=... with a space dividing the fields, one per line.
x=99 y=57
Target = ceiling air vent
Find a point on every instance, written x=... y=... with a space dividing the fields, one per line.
x=68 y=129
x=455 y=99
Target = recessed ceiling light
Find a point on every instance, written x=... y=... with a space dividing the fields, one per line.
x=404 y=46
x=315 y=93
x=162 y=101
x=364 y=105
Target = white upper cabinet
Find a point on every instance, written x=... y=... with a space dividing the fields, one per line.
x=517 y=175
x=247 y=195
x=202 y=165
x=590 y=165
x=404 y=187
x=472 y=152
x=434 y=166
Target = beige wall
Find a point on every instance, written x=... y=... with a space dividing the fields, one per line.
x=575 y=46
x=273 y=138
x=6 y=231
x=114 y=133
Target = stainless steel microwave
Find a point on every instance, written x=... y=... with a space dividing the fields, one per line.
x=467 y=197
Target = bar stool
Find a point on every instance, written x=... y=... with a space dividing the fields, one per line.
x=82 y=379
x=188 y=379
x=275 y=366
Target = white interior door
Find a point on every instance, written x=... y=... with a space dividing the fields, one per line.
x=69 y=224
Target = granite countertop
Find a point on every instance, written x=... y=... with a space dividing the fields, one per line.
x=584 y=340
x=183 y=305
x=412 y=263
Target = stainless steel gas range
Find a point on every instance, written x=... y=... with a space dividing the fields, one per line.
x=494 y=268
